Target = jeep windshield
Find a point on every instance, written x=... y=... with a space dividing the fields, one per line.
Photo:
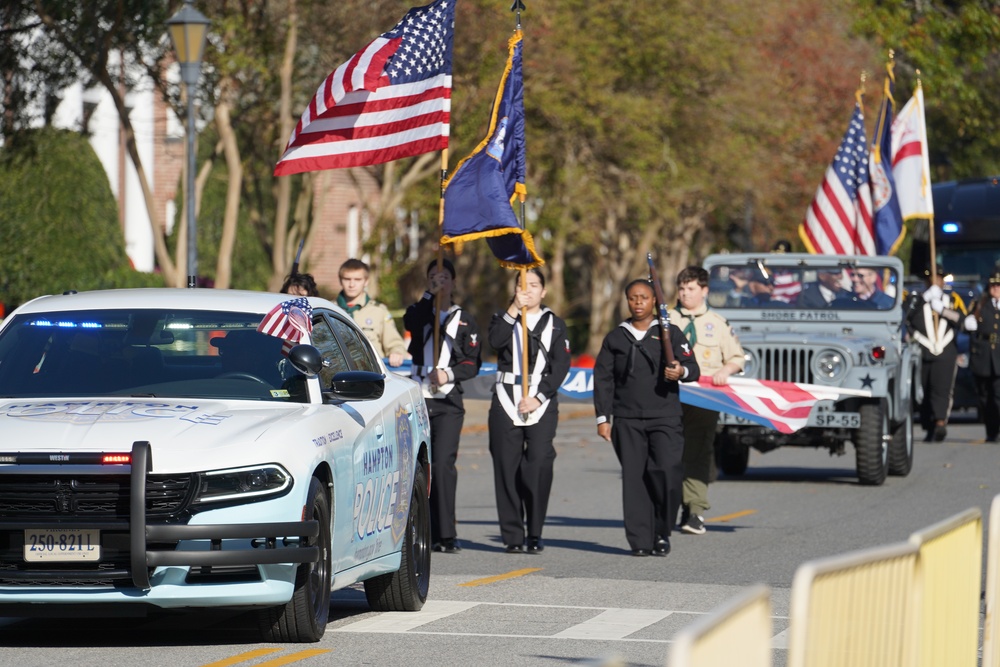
x=757 y=285
x=145 y=353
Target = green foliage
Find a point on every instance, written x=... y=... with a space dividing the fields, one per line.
x=956 y=48
x=59 y=222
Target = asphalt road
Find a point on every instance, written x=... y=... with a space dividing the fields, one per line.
x=584 y=600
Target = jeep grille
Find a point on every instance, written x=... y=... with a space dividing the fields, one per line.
x=783 y=364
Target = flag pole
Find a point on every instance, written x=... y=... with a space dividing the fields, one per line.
x=516 y=8
x=440 y=263
x=859 y=97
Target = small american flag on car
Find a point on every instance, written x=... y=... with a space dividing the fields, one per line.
x=289 y=320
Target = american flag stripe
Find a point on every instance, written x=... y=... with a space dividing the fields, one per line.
x=783 y=406
x=390 y=100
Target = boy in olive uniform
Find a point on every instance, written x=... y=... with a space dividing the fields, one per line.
x=373 y=317
x=719 y=355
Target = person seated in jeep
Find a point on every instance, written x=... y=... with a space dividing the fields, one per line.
x=865 y=281
x=825 y=290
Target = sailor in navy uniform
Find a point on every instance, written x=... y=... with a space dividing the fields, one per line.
x=633 y=382
x=522 y=427
x=984 y=355
x=441 y=380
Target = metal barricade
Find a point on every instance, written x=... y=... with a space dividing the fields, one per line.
x=857 y=609
x=991 y=625
x=738 y=632
x=951 y=559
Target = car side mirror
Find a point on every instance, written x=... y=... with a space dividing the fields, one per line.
x=356 y=386
x=306 y=359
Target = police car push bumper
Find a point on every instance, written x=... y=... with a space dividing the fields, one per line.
x=264 y=539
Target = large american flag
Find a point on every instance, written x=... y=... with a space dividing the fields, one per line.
x=391 y=100
x=783 y=406
x=839 y=221
x=289 y=320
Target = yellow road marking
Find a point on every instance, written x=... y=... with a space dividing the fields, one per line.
x=243 y=657
x=501 y=577
x=294 y=657
x=730 y=517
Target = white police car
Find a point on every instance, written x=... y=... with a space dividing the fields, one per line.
x=158 y=451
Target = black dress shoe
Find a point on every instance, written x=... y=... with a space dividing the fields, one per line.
x=640 y=552
x=534 y=545
x=514 y=549
x=940 y=433
x=448 y=546
x=662 y=546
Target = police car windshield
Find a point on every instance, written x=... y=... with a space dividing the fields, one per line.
x=830 y=287
x=148 y=353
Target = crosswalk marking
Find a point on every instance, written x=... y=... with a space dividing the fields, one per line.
x=609 y=623
x=613 y=624
x=403 y=621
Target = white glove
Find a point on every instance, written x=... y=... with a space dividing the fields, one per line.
x=971 y=324
x=937 y=305
x=933 y=292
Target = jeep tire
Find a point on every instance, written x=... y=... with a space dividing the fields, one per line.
x=731 y=456
x=870 y=443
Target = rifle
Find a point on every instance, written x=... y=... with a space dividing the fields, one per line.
x=298 y=256
x=668 y=349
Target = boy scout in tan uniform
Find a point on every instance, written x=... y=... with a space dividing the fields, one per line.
x=719 y=355
x=373 y=317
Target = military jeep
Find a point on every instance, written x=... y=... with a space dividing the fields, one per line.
x=831 y=320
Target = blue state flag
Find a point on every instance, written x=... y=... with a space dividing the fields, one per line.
x=479 y=196
x=888 y=220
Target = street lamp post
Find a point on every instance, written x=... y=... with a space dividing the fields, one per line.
x=187 y=31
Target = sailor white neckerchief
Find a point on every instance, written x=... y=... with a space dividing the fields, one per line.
x=943 y=334
x=508 y=387
x=450 y=319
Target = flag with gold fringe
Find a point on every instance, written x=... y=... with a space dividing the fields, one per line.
x=479 y=196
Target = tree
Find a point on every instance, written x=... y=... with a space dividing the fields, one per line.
x=59 y=222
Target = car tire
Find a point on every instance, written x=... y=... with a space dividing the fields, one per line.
x=731 y=456
x=406 y=589
x=304 y=617
x=901 y=446
x=870 y=443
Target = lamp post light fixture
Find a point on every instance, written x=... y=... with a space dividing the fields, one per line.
x=188 y=28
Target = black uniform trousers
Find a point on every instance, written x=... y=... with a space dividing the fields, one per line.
x=446 y=417
x=988 y=391
x=937 y=375
x=523 y=458
x=650 y=452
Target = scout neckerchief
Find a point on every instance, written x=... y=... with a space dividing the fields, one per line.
x=509 y=384
x=690 y=331
x=350 y=308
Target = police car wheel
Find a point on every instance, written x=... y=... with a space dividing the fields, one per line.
x=304 y=617
x=406 y=589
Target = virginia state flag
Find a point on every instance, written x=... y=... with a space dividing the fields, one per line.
x=888 y=220
x=478 y=197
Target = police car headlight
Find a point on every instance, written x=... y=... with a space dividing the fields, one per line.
x=244 y=484
x=750 y=363
x=829 y=365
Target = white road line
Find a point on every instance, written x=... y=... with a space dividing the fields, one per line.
x=403 y=621
x=613 y=624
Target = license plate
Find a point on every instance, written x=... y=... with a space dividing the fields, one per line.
x=836 y=419
x=62 y=544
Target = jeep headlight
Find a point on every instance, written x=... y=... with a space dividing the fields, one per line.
x=750 y=363
x=250 y=483
x=829 y=365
